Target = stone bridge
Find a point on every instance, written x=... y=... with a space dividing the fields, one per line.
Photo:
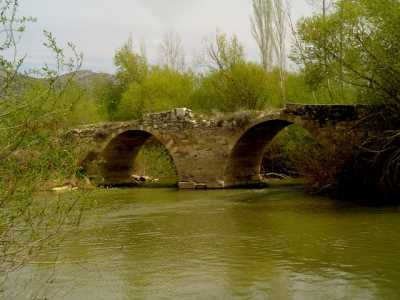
x=208 y=152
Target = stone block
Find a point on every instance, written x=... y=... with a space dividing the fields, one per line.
x=180 y=112
x=200 y=186
x=186 y=185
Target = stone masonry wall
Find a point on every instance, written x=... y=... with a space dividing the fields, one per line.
x=203 y=148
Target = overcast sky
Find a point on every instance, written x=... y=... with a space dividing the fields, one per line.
x=99 y=27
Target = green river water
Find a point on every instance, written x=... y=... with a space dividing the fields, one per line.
x=276 y=243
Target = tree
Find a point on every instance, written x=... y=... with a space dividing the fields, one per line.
x=268 y=26
x=232 y=84
x=172 y=54
x=357 y=44
x=163 y=89
x=280 y=42
x=131 y=68
x=33 y=115
x=244 y=86
x=262 y=30
x=359 y=37
x=323 y=6
x=224 y=53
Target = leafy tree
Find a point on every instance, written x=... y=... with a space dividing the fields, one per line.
x=357 y=44
x=34 y=113
x=83 y=107
x=244 y=86
x=223 y=53
x=108 y=95
x=162 y=89
x=131 y=66
x=232 y=84
x=132 y=69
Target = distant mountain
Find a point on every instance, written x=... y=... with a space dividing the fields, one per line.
x=86 y=78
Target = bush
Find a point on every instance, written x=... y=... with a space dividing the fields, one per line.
x=162 y=89
x=243 y=86
x=35 y=110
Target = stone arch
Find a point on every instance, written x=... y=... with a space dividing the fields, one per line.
x=244 y=163
x=116 y=160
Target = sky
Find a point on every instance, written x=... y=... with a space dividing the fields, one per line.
x=99 y=27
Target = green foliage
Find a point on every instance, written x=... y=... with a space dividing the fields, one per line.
x=224 y=53
x=107 y=94
x=352 y=53
x=285 y=153
x=34 y=115
x=132 y=69
x=80 y=106
x=154 y=161
x=162 y=89
x=33 y=153
x=299 y=89
x=232 y=84
x=356 y=47
x=244 y=86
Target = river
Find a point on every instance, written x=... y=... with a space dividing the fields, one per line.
x=276 y=243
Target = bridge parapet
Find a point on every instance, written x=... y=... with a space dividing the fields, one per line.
x=326 y=113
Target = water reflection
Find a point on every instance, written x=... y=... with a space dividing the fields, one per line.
x=268 y=244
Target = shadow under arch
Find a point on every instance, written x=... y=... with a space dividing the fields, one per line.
x=118 y=157
x=244 y=164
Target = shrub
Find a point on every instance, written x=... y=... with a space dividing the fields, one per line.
x=243 y=86
x=162 y=89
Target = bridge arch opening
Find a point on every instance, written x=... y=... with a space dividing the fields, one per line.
x=246 y=163
x=128 y=159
